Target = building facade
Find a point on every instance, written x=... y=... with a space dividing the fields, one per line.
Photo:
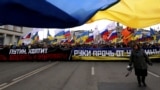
x=10 y=34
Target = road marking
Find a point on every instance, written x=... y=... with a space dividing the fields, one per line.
x=18 y=79
x=33 y=72
x=153 y=74
x=1 y=85
x=92 y=71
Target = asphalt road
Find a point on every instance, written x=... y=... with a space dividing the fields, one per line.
x=73 y=76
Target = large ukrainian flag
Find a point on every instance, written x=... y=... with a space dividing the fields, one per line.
x=50 y=13
x=132 y=13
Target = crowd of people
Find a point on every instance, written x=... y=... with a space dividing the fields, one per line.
x=69 y=46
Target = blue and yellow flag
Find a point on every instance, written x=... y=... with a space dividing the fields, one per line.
x=35 y=37
x=83 y=36
x=138 y=35
x=50 y=13
x=153 y=34
x=60 y=34
x=132 y=13
x=158 y=39
x=49 y=36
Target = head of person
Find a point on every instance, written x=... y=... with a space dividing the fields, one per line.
x=136 y=47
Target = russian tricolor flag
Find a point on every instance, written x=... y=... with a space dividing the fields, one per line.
x=113 y=35
x=27 y=36
x=71 y=40
x=67 y=33
x=90 y=38
x=104 y=34
x=103 y=31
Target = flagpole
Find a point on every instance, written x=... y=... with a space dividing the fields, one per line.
x=43 y=33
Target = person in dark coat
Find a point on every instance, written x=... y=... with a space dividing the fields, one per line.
x=139 y=59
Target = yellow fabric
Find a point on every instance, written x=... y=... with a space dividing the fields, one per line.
x=50 y=37
x=132 y=13
x=77 y=40
x=154 y=37
x=114 y=40
x=84 y=38
x=133 y=38
x=54 y=43
x=60 y=37
x=159 y=41
x=35 y=39
x=120 y=40
x=19 y=42
x=137 y=37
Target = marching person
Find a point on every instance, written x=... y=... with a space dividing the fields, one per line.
x=139 y=59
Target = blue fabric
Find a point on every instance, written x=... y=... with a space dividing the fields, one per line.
x=60 y=34
x=152 y=31
x=138 y=33
x=85 y=33
x=50 y=13
x=48 y=34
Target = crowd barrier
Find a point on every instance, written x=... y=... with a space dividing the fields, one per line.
x=43 y=54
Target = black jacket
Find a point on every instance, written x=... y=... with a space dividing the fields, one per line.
x=139 y=59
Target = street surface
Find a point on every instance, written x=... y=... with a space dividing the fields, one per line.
x=73 y=76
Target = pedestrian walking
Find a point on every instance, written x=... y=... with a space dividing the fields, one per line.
x=139 y=60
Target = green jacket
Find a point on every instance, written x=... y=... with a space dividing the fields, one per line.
x=139 y=59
